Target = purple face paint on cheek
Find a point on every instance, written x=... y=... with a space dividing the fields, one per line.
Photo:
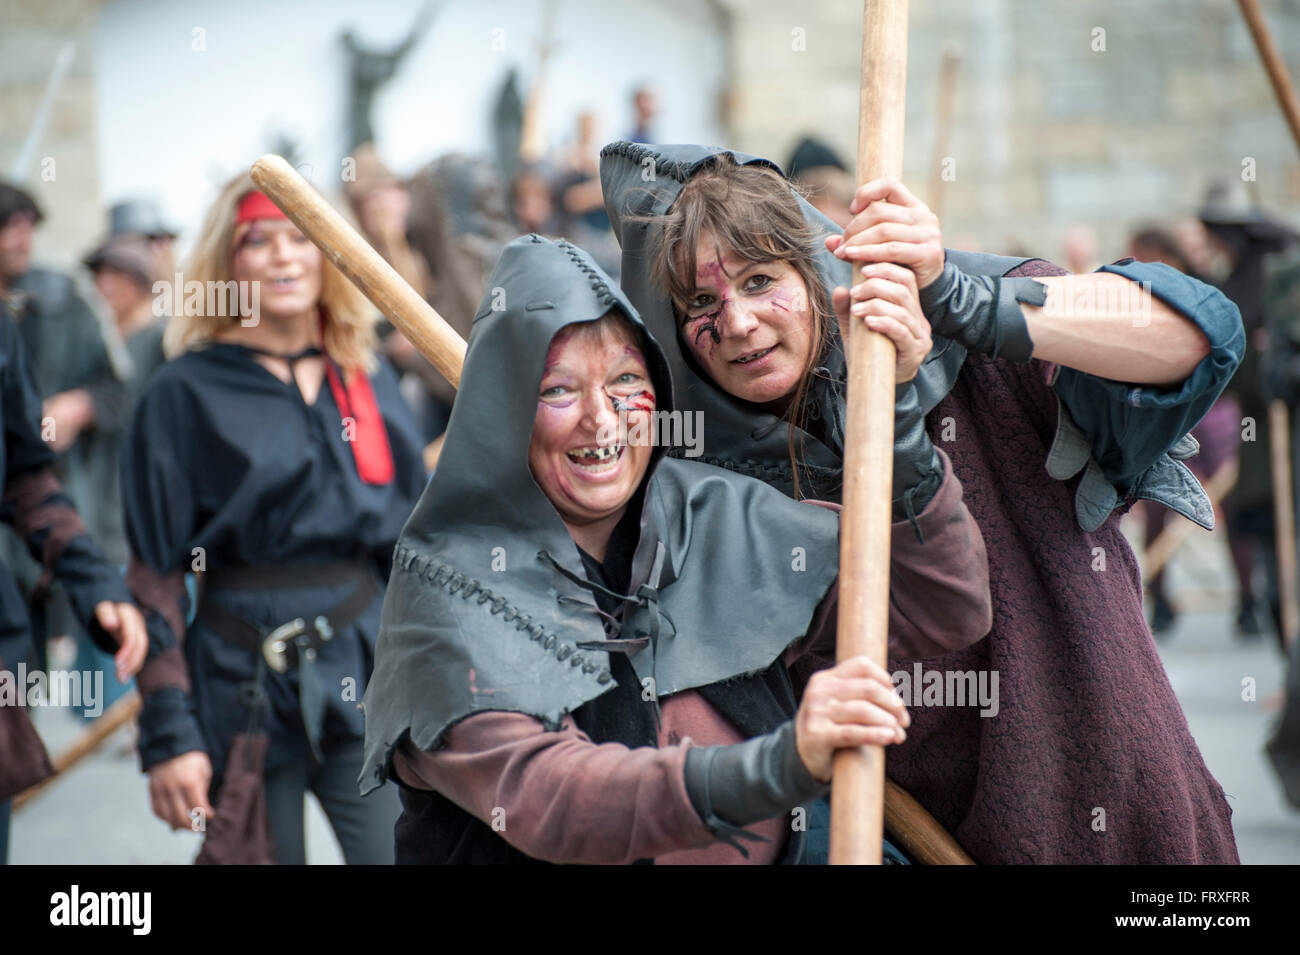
x=555 y=407
x=779 y=298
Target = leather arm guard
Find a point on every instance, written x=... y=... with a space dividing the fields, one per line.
x=982 y=312
x=736 y=785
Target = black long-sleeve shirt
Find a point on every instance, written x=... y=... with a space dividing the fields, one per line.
x=43 y=516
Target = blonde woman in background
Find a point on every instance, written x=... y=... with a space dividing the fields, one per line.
x=274 y=457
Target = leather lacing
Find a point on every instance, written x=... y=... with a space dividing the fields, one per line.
x=646 y=597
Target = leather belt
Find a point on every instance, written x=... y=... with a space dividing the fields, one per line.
x=301 y=637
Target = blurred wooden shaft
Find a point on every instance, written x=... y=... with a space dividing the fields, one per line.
x=1175 y=534
x=943 y=125
x=1274 y=65
x=108 y=723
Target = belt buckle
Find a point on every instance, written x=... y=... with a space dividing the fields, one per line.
x=275 y=648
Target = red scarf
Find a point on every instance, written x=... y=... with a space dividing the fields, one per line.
x=356 y=401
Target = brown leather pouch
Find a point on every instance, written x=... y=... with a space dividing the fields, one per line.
x=239 y=833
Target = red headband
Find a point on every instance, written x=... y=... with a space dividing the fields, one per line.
x=256 y=205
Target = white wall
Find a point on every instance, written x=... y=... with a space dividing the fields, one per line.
x=174 y=122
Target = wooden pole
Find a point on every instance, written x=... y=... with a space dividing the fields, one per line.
x=116 y=716
x=1279 y=428
x=1273 y=64
x=943 y=124
x=857 y=795
x=918 y=831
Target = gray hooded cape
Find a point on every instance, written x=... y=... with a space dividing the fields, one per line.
x=486 y=608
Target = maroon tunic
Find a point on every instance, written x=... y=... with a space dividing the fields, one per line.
x=1088 y=758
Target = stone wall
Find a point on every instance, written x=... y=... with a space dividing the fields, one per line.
x=1107 y=113
x=1055 y=122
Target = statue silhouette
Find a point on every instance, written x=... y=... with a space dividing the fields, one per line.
x=370 y=69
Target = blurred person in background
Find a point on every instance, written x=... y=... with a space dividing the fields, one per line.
x=823 y=179
x=1246 y=238
x=141 y=218
x=1280 y=370
x=458 y=225
x=1080 y=247
x=532 y=201
x=76 y=379
x=645 y=108
x=381 y=206
x=46 y=522
x=274 y=456
x=582 y=201
x=1218 y=433
x=124 y=269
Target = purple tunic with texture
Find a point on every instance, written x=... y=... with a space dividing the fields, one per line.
x=1089 y=758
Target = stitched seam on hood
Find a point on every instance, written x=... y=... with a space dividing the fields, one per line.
x=454 y=581
x=636 y=154
x=598 y=284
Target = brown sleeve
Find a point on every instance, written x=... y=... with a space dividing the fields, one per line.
x=165 y=664
x=557 y=796
x=938 y=590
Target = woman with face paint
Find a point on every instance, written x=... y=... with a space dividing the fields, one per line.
x=587 y=644
x=1058 y=400
x=276 y=458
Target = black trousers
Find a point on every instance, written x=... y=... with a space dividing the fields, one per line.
x=363 y=826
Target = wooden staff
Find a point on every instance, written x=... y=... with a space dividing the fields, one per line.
x=857 y=796
x=1279 y=428
x=943 y=124
x=116 y=716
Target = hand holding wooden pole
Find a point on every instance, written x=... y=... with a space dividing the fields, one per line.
x=857 y=796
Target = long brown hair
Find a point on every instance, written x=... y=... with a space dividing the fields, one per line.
x=752 y=212
x=349 y=318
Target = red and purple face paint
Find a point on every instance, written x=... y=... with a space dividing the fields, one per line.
x=638 y=401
